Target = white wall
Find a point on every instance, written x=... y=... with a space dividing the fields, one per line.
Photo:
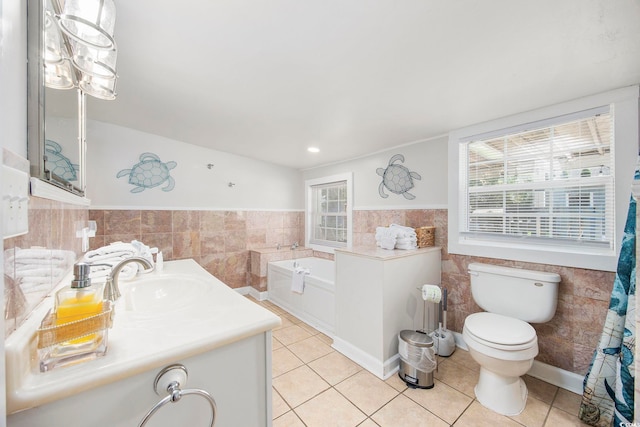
x=13 y=73
x=13 y=114
x=258 y=185
x=427 y=158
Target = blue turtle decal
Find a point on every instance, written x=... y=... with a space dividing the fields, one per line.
x=149 y=172
x=58 y=163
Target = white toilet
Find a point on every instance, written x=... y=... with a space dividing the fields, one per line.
x=501 y=339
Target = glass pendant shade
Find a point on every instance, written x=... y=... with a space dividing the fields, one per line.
x=95 y=62
x=54 y=49
x=98 y=87
x=90 y=21
x=59 y=75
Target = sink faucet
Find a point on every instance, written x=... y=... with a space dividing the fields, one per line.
x=111 y=289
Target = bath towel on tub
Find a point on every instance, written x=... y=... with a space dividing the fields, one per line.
x=297 y=279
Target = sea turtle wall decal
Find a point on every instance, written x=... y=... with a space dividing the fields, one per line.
x=58 y=163
x=149 y=172
x=397 y=178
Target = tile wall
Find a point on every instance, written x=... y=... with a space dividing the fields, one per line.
x=221 y=240
x=54 y=247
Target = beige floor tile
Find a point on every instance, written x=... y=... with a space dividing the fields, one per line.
x=291 y=318
x=540 y=389
x=285 y=323
x=558 y=417
x=325 y=338
x=310 y=349
x=461 y=357
x=457 y=376
x=283 y=360
x=330 y=409
x=368 y=423
x=275 y=344
x=479 y=416
x=309 y=328
x=395 y=382
x=444 y=401
x=568 y=401
x=290 y=419
x=299 y=385
x=534 y=414
x=368 y=392
x=290 y=334
x=404 y=412
x=334 y=367
x=278 y=404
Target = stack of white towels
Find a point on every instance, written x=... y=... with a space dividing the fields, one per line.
x=37 y=269
x=396 y=237
x=114 y=253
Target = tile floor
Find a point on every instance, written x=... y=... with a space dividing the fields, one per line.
x=314 y=385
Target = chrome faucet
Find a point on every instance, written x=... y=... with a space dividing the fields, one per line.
x=294 y=246
x=111 y=289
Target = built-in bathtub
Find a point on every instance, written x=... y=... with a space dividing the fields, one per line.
x=316 y=305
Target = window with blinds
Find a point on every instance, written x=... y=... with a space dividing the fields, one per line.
x=328 y=214
x=549 y=183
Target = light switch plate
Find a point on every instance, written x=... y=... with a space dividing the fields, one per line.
x=15 y=202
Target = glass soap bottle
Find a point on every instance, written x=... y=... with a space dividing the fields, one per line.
x=73 y=303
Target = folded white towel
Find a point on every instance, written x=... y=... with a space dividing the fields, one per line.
x=297 y=279
x=403 y=231
x=407 y=247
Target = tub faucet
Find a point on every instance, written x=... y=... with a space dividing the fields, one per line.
x=294 y=246
x=111 y=289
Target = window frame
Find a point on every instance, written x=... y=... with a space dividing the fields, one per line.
x=309 y=211
x=623 y=103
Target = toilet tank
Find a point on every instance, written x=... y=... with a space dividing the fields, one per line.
x=527 y=295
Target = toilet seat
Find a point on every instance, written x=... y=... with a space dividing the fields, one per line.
x=500 y=332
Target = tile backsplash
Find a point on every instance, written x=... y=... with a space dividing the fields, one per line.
x=34 y=263
x=220 y=241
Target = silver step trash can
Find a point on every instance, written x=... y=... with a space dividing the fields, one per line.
x=417 y=359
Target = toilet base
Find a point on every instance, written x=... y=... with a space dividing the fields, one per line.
x=502 y=394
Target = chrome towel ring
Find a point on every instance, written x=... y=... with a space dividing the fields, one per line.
x=168 y=381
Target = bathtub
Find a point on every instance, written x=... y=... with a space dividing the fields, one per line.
x=316 y=305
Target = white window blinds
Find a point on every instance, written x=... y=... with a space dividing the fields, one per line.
x=548 y=182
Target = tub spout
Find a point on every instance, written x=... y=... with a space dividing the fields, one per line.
x=111 y=289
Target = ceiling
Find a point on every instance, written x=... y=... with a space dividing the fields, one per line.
x=267 y=79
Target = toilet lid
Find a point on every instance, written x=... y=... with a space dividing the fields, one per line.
x=499 y=329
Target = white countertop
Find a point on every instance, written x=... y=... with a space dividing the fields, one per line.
x=137 y=342
x=385 y=254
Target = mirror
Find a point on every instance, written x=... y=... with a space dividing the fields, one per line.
x=56 y=117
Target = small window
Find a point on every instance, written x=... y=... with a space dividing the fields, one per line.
x=551 y=184
x=329 y=212
x=548 y=186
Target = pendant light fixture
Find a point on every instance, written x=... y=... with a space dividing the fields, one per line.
x=80 y=50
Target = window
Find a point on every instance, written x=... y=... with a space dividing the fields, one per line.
x=329 y=212
x=546 y=190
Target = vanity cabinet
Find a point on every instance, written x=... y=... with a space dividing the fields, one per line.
x=377 y=296
x=238 y=377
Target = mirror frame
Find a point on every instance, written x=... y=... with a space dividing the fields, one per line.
x=36 y=108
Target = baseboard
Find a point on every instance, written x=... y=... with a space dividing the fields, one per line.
x=252 y=292
x=556 y=376
x=547 y=373
x=382 y=370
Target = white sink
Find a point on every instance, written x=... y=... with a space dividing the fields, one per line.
x=164 y=293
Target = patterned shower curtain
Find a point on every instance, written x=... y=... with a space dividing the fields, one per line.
x=608 y=396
